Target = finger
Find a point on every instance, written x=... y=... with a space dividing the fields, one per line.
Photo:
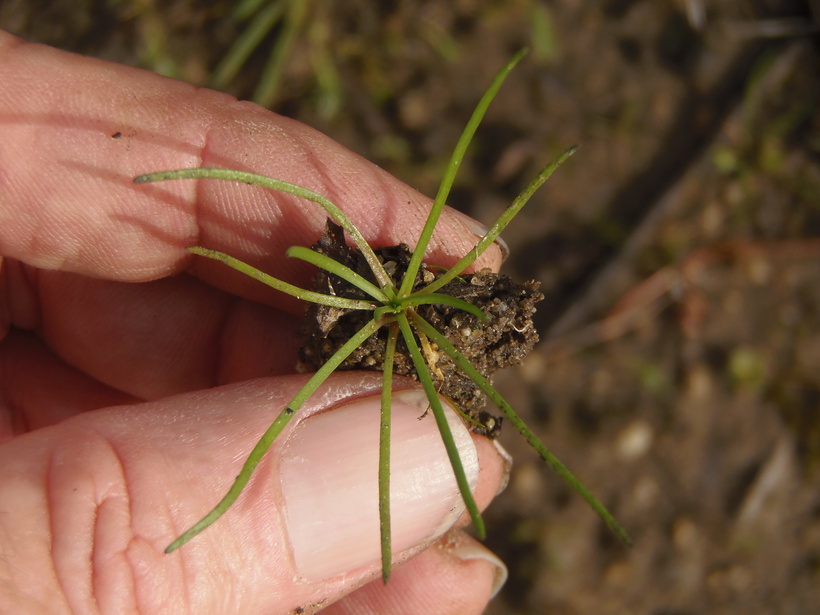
x=38 y=389
x=163 y=337
x=147 y=340
x=77 y=130
x=96 y=499
x=457 y=576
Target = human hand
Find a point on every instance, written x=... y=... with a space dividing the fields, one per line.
x=135 y=377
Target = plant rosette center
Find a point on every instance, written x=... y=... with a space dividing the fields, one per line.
x=502 y=340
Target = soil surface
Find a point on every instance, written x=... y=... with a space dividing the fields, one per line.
x=679 y=251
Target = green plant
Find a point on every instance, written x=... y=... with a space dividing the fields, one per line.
x=262 y=16
x=394 y=306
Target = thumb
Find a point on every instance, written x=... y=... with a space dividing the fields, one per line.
x=90 y=504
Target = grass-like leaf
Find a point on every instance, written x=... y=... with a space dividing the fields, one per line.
x=271 y=434
x=512 y=416
x=277 y=184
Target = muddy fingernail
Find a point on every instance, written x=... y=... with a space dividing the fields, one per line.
x=328 y=473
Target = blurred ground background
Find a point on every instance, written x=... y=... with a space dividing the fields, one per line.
x=679 y=251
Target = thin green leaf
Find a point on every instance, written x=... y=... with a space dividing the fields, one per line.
x=502 y=222
x=442 y=299
x=450 y=173
x=243 y=46
x=272 y=432
x=441 y=422
x=290 y=289
x=384 y=453
x=276 y=184
x=510 y=414
x=268 y=87
x=244 y=9
x=337 y=269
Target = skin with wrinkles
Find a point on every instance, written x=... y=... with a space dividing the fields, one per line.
x=89 y=461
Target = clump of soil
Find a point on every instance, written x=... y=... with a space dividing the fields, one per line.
x=503 y=340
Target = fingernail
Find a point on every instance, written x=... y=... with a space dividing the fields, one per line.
x=465 y=548
x=508 y=463
x=479 y=231
x=329 y=481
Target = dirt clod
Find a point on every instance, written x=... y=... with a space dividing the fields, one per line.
x=503 y=340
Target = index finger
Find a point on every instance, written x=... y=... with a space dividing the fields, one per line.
x=77 y=130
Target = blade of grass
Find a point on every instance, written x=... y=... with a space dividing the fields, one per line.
x=268 y=88
x=441 y=422
x=276 y=184
x=272 y=432
x=339 y=270
x=442 y=299
x=510 y=414
x=258 y=28
x=384 y=453
x=500 y=224
x=290 y=289
x=322 y=55
x=450 y=174
x=244 y=9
